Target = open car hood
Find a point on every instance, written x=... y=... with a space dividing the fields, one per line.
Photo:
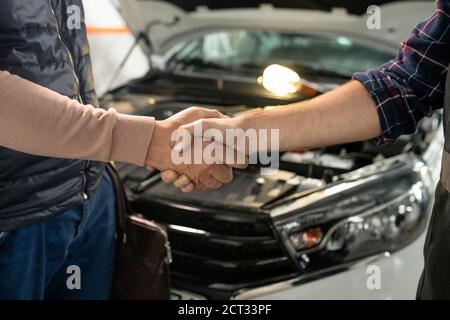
x=352 y=6
x=168 y=22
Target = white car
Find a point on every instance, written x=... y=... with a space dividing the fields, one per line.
x=344 y=222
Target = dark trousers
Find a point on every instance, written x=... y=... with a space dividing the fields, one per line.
x=435 y=280
x=69 y=256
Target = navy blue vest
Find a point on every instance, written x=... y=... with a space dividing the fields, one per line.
x=37 y=43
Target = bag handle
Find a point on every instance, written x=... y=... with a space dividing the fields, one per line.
x=122 y=205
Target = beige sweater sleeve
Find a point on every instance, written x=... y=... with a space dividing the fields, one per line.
x=39 y=121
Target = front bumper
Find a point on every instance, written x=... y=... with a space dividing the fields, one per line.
x=398 y=273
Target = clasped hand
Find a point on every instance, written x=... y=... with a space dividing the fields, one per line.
x=187 y=176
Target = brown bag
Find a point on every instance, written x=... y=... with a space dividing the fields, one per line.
x=142 y=254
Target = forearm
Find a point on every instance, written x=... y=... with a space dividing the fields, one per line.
x=343 y=115
x=36 y=120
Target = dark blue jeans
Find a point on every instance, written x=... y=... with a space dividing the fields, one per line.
x=69 y=256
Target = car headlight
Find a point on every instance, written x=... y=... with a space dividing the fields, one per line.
x=381 y=216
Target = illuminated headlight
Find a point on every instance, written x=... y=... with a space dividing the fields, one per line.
x=380 y=217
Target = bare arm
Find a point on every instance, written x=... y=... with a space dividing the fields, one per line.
x=345 y=114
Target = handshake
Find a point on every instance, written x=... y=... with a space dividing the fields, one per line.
x=188 y=176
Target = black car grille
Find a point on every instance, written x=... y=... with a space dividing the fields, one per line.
x=216 y=250
x=220 y=252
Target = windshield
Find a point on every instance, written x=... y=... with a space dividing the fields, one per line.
x=239 y=51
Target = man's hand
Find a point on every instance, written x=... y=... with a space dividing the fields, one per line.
x=188 y=177
x=223 y=123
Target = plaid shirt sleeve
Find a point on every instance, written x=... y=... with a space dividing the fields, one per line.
x=412 y=85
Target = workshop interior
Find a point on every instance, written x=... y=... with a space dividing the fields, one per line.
x=340 y=222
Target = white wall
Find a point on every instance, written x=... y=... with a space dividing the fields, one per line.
x=108 y=47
